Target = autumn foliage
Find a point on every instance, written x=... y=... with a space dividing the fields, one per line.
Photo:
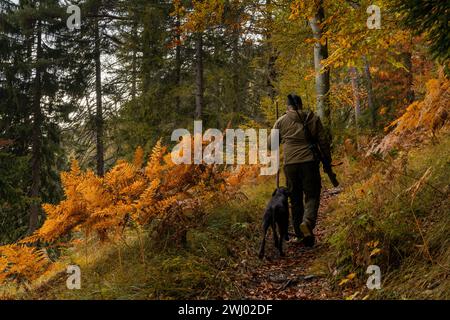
x=421 y=120
x=429 y=114
x=130 y=194
x=21 y=263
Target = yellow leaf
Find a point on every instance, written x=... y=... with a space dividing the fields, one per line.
x=351 y=276
x=375 y=252
x=373 y=244
x=353 y=296
x=343 y=281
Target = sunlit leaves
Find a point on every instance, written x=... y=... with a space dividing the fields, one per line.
x=347 y=279
x=127 y=194
x=201 y=15
x=21 y=264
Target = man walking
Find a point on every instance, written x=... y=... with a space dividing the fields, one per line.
x=301 y=169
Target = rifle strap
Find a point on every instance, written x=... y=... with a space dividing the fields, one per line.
x=308 y=135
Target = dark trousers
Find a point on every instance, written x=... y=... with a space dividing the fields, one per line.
x=304 y=184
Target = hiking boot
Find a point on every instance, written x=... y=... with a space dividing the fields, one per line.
x=309 y=242
x=306 y=230
x=309 y=239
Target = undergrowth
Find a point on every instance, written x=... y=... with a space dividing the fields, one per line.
x=138 y=267
x=394 y=213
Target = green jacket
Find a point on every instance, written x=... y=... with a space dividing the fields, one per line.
x=292 y=136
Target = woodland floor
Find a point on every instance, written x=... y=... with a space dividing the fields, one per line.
x=219 y=259
x=302 y=274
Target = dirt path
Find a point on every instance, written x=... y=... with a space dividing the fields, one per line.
x=302 y=274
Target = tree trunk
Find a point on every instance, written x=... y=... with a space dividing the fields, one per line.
x=410 y=95
x=370 y=97
x=322 y=74
x=134 y=64
x=271 y=71
x=236 y=72
x=36 y=152
x=199 y=77
x=178 y=64
x=99 y=105
x=356 y=101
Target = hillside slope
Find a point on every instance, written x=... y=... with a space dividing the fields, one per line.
x=393 y=213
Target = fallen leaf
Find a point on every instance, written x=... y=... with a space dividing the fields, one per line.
x=375 y=252
x=351 y=276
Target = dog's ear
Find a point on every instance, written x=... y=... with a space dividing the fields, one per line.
x=274 y=192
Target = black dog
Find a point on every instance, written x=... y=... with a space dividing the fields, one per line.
x=277 y=213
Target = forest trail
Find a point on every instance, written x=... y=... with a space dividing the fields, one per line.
x=95 y=188
x=301 y=274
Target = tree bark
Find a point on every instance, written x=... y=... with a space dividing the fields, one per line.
x=322 y=74
x=236 y=71
x=370 y=98
x=271 y=71
x=178 y=63
x=36 y=152
x=99 y=105
x=199 y=99
x=134 y=64
x=410 y=95
x=355 y=88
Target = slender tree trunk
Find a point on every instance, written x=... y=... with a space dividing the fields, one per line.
x=322 y=74
x=410 y=95
x=355 y=87
x=236 y=71
x=99 y=105
x=271 y=71
x=134 y=77
x=272 y=76
x=134 y=64
x=178 y=63
x=370 y=98
x=36 y=152
x=199 y=99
